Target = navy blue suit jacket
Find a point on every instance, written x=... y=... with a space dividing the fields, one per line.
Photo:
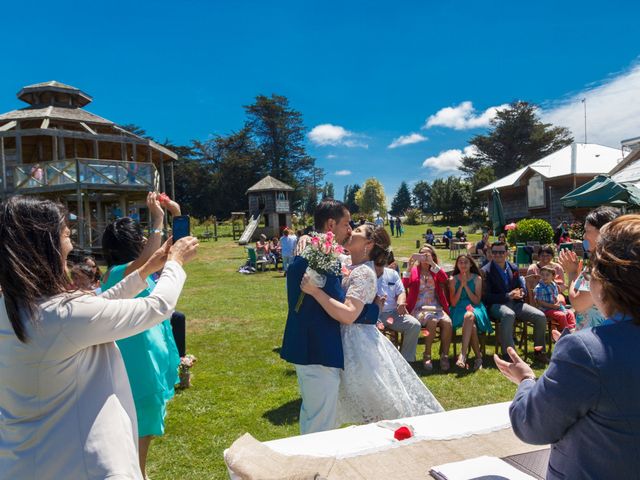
x=495 y=291
x=311 y=336
x=586 y=404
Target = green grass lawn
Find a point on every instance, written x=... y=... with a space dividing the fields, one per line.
x=234 y=327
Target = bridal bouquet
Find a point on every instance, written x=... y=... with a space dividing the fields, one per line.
x=321 y=254
x=184 y=370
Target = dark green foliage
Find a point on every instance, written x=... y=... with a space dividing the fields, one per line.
x=450 y=197
x=349 y=197
x=402 y=201
x=517 y=138
x=531 y=230
x=422 y=195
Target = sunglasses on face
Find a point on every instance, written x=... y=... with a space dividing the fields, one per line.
x=498 y=252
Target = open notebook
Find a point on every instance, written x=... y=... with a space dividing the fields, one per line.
x=485 y=468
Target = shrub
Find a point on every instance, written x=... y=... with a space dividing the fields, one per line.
x=531 y=230
x=414 y=216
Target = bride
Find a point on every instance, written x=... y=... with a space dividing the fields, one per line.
x=377 y=383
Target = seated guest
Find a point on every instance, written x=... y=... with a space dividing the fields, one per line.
x=447 y=236
x=90 y=261
x=392 y=263
x=547 y=297
x=564 y=238
x=429 y=237
x=504 y=295
x=545 y=259
x=482 y=246
x=393 y=310
x=460 y=235
x=426 y=283
x=275 y=251
x=560 y=231
x=262 y=248
x=82 y=277
x=587 y=403
x=467 y=310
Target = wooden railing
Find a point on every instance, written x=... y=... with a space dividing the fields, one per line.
x=89 y=171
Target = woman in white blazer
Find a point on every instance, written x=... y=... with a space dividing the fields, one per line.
x=66 y=409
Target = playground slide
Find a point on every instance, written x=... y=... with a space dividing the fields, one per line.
x=251 y=227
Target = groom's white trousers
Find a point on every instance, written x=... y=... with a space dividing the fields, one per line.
x=319 y=390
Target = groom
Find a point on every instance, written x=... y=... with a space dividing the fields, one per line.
x=312 y=340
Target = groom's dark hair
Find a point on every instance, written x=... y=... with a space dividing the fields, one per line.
x=328 y=209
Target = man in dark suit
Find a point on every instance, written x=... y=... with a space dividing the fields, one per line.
x=312 y=340
x=504 y=294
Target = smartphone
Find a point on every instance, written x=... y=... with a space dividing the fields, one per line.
x=181 y=227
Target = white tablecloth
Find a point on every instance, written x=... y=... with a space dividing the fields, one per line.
x=359 y=440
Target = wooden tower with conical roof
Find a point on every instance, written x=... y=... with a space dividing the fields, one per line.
x=55 y=149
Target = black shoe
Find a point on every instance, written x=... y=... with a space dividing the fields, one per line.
x=540 y=357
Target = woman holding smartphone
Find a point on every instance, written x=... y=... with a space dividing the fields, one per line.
x=150 y=357
x=426 y=283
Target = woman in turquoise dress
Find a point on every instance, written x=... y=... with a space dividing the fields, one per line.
x=151 y=357
x=467 y=310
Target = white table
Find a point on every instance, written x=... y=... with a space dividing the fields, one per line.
x=364 y=439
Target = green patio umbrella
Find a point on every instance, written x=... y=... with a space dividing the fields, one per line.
x=497 y=213
x=602 y=191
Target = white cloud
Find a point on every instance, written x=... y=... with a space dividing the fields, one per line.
x=407 y=140
x=331 y=156
x=449 y=160
x=343 y=173
x=613 y=110
x=462 y=117
x=333 y=135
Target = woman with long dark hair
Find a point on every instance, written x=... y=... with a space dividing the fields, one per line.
x=467 y=309
x=150 y=357
x=66 y=409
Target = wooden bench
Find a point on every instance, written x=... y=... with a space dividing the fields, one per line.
x=205 y=236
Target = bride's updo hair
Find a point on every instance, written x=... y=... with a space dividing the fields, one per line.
x=379 y=254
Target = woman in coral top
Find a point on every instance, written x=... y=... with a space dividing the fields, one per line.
x=426 y=283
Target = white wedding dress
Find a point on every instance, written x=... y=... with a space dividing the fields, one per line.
x=377 y=383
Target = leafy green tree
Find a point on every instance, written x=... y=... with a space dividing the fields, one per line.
x=480 y=178
x=402 y=200
x=349 y=199
x=421 y=195
x=279 y=134
x=371 y=197
x=328 y=191
x=516 y=139
x=450 y=197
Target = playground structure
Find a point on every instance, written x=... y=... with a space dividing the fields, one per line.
x=269 y=201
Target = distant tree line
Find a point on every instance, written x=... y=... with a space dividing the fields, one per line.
x=212 y=176
x=515 y=139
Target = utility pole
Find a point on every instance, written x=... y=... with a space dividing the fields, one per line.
x=584 y=102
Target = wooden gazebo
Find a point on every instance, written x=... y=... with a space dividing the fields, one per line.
x=55 y=149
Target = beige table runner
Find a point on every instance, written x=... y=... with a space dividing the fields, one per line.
x=252 y=460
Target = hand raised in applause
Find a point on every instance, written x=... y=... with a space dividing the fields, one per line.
x=516 y=370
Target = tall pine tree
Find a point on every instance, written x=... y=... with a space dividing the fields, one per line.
x=402 y=200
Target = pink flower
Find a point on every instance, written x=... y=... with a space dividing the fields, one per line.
x=339 y=249
x=315 y=241
x=329 y=236
x=511 y=226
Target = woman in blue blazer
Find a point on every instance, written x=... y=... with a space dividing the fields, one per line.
x=587 y=403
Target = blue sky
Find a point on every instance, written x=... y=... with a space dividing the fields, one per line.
x=363 y=74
